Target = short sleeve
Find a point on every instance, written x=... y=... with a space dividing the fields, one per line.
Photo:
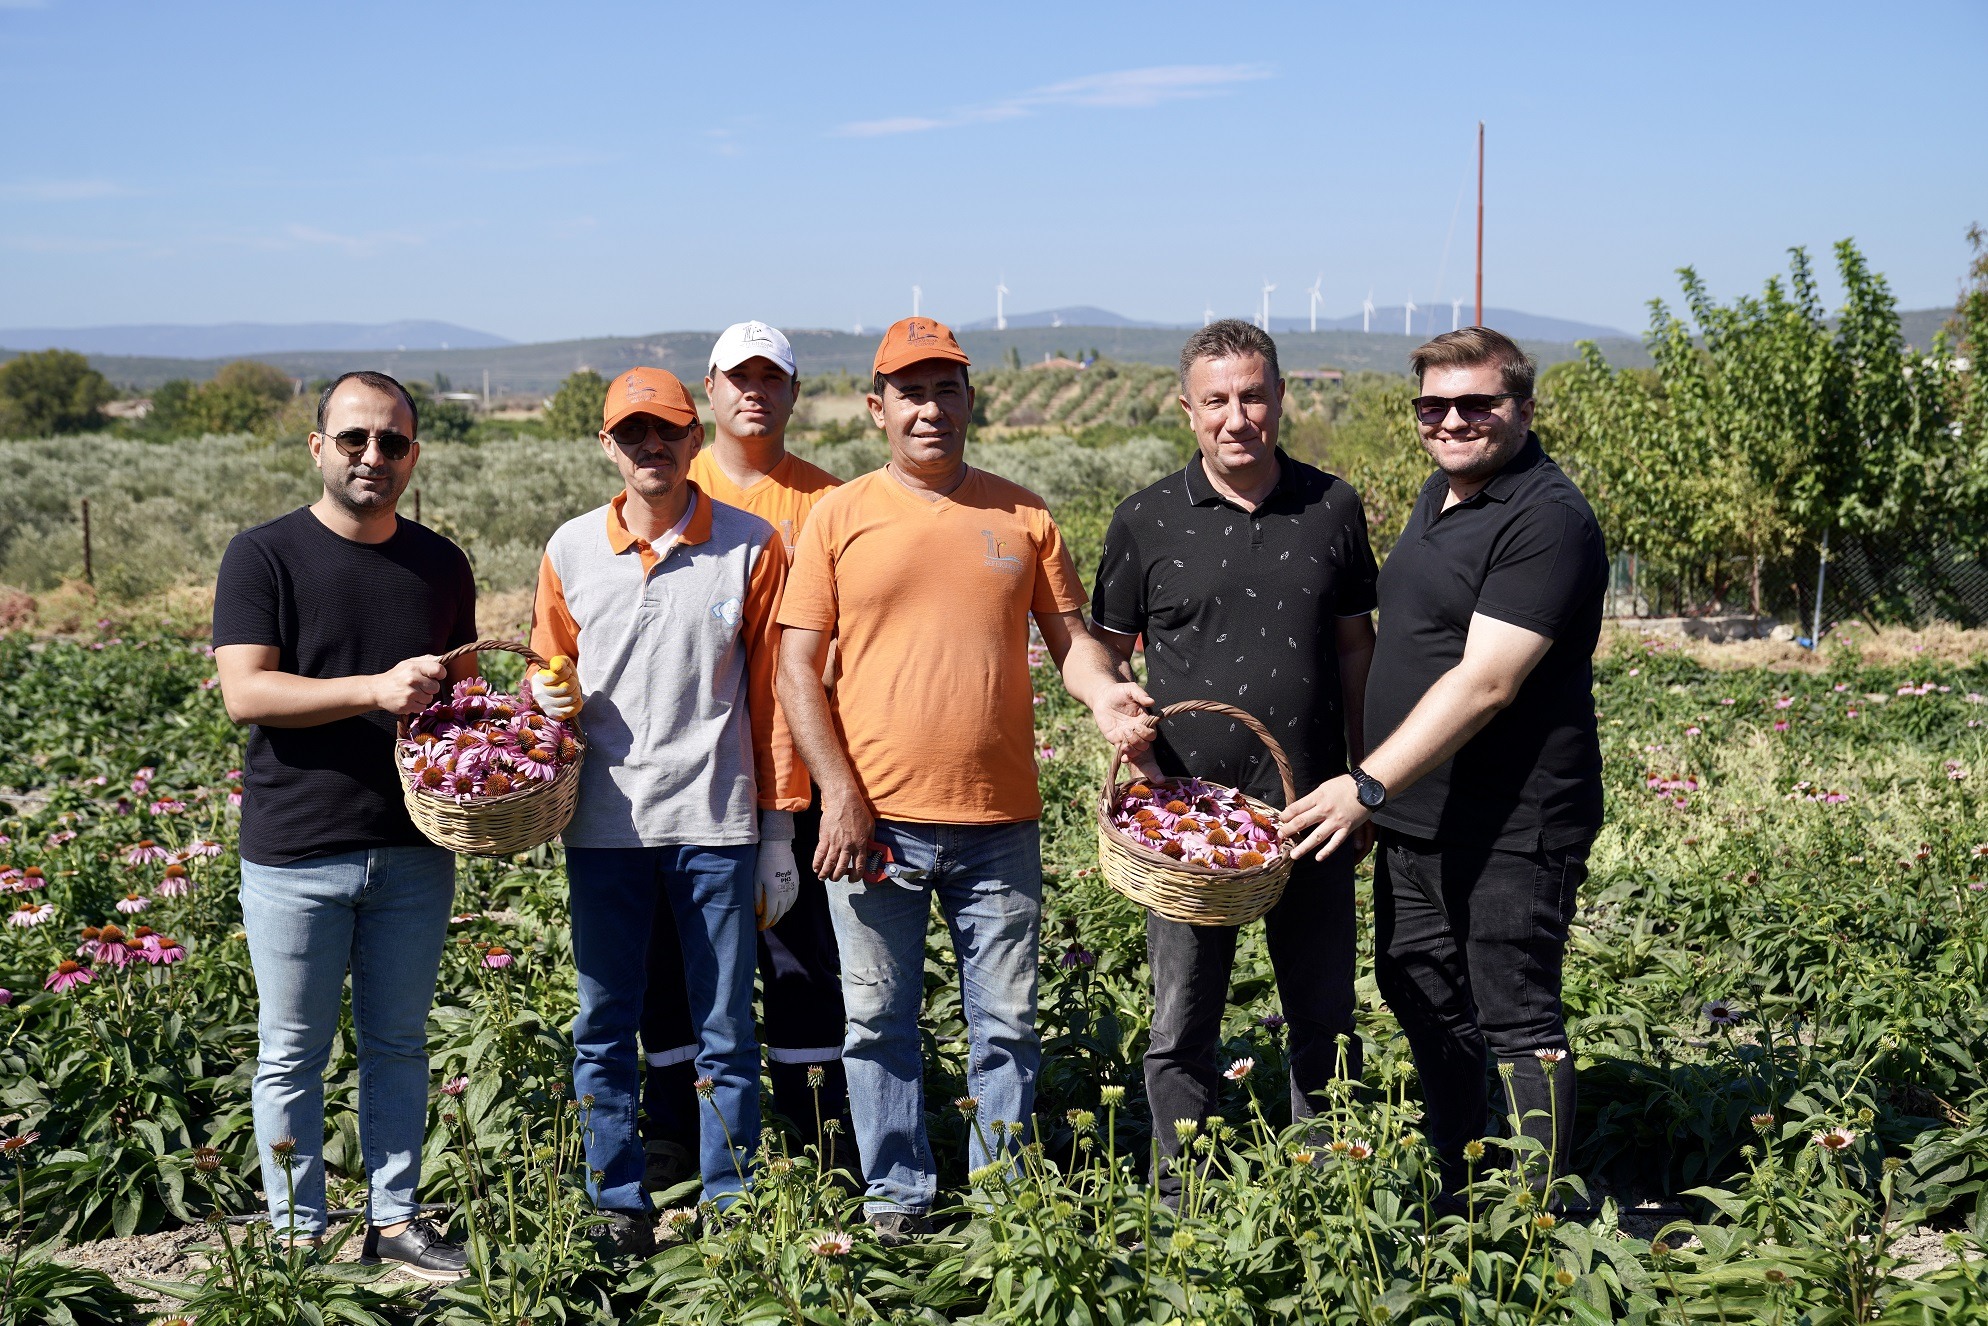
x=1057 y=588
x=1118 y=598
x=246 y=606
x=1355 y=576
x=463 y=632
x=809 y=601
x=1542 y=572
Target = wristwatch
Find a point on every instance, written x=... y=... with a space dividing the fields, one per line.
x=1373 y=793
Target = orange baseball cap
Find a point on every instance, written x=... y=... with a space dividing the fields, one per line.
x=647 y=391
x=913 y=340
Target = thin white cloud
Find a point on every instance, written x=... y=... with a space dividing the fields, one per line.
x=61 y=191
x=1124 y=89
x=357 y=246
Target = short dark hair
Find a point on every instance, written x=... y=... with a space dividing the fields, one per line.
x=1470 y=347
x=378 y=381
x=1225 y=340
x=877 y=380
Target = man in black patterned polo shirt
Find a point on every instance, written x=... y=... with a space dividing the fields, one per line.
x=1251 y=580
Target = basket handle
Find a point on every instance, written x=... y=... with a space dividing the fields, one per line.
x=531 y=657
x=1105 y=798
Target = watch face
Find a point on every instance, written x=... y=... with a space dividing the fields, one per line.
x=1371 y=793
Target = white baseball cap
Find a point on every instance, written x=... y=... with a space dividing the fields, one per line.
x=747 y=340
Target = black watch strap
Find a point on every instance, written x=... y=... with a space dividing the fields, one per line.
x=1373 y=793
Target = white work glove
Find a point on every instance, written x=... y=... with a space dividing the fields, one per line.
x=779 y=877
x=556 y=688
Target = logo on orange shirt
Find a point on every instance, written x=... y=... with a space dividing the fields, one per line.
x=998 y=556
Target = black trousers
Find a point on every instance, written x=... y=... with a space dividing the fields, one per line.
x=801 y=1017
x=1468 y=947
x=1312 y=943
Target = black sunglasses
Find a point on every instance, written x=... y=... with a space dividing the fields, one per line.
x=632 y=432
x=1474 y=409
x=353 y=441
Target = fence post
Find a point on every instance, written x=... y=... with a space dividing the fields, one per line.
x=417 y=506
x=89 y=565
x=1821 y=573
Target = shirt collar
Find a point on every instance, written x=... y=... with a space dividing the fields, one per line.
x=1506 y=481
x=1201 y=490
x=697 y=531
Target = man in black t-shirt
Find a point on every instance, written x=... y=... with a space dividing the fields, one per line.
x=327 y=624
x=1250 y=578
x=1486 y=776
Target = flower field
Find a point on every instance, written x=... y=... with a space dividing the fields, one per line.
x=1776 y=988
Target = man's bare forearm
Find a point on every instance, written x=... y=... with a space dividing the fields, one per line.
x=284 y=699
x=1087 y=667
x=1449 y=714
x=805 y=702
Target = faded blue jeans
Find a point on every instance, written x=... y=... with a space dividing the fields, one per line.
x=384 y=915
x=615 y=893
x=988 y=881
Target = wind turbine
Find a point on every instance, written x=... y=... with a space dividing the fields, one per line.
x=1408 y=318
x=1313 y=292
x=916 y=295
x=1267 y=288
x=1000 y=318
x=1456 y=312
x=1367 y=312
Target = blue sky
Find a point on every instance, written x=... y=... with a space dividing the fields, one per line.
x=585 y=169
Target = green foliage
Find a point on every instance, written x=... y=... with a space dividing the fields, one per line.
x=442 y=420
x=1763 y=428
x=51 y=391
x=47 y=1292
x=244 y=396
x=575 y=409
x=1820 y=879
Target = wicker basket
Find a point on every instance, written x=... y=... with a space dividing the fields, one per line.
x=493 y=826
x=1176 y=890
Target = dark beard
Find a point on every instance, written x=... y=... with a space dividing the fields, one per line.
x=362 y=505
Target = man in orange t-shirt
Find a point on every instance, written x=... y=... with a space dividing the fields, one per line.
x=753 y=386
x=926 y=573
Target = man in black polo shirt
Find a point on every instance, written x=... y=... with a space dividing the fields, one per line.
x=1250 y=577
x=1486 y=782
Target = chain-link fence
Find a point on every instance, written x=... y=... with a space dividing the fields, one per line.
x=1901 y=578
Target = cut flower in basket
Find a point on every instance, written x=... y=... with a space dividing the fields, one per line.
x=1196 y=822
x=477 y=742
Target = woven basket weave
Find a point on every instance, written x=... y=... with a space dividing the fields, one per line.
x=492 y=826
x=1176 y=890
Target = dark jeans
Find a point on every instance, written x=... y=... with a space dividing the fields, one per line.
x=1467 y=952
x=1312 y=939
x=801 y=1025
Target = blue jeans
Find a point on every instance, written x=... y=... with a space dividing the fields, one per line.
x=988 y=880
x=615 y=892
x=384 y=914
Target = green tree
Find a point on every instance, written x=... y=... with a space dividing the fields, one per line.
x=575 y=409
x=442 y=421
x=46 y=392
x=243 y=396
x=1763 y=429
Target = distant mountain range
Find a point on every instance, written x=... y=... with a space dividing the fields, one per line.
x=1392 y=318
x=235 y=339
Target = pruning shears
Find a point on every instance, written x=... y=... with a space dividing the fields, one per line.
x=881 y=864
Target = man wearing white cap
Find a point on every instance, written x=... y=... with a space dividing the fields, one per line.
x=753 y=387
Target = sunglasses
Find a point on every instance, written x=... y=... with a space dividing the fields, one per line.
x=353 y=441
x=631 y=433
x=1474 y=409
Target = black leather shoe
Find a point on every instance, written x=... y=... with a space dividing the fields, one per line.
x=628 y=1233
x=419 y=1248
